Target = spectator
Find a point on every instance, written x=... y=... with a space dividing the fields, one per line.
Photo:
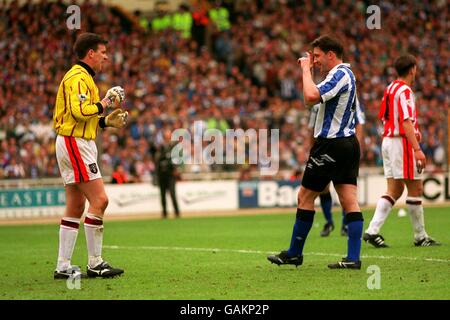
x=119 y=176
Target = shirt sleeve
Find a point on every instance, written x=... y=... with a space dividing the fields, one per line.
x=360 y=116
x=333 y=85
x=406 y=105
x=313 y=116
x=82 y=108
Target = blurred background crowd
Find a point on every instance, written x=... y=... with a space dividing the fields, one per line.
x=212 y=64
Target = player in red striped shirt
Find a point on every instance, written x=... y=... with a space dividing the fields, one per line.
x=403 y=159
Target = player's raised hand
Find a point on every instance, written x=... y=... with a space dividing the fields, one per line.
x=114 y=97
x=117 y=119
x=306 y=62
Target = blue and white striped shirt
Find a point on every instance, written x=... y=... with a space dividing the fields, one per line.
x=360 y=116
x=336 y=114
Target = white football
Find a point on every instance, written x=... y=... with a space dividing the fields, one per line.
x=401 y=212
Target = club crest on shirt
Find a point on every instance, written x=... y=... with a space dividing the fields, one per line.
x=93 y=168
x=82 y=97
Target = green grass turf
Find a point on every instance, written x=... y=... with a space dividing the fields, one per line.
x=28 y=255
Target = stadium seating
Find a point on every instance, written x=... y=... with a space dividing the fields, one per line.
x=246 y=75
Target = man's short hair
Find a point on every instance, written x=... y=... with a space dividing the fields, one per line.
x=404 y=63
x=328 y=43
x=87 y=41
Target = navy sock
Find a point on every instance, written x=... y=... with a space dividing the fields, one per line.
x=303 y=223
x=355 y=228
x=326 y=203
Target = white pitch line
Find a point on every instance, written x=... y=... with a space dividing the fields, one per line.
x=265 y=252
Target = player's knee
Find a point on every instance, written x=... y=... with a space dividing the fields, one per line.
x=396 y=194
x=101 y=202
x=349 y=202
x=395 y=191
x=105 y=202
x=299 y=199
x=416 y=192
x=345 y=199
x=419 y=190
x=304 y=201
x=419 y=193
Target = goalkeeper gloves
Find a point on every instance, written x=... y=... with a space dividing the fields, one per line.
x=116 y=119
x=115 y=95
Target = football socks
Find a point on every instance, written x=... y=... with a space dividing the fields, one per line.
x=415 y=210
x=93 y=227
x=303 y=222
x=326 y=203
x=68 y=232
x=355 y=227
x=384 y=207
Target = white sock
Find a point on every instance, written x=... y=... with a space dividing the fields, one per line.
x=384 y=207
x=415 y=210
x=68 y=232
x=93 y=227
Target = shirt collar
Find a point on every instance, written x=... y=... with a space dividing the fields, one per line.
x=87 y=67
x=340 y=64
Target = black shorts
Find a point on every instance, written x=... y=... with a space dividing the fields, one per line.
x=334 y=160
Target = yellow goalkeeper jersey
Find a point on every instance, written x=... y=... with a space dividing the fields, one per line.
x=78 y=108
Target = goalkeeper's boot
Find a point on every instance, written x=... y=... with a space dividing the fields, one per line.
x=284 y=258
x=426 y=242
x=345 y=264
x=103 y=270
x=376 y=240
x=72 y=272
x=327 y=228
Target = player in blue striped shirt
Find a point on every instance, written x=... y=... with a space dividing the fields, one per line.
x=335 y=154
x=326 y=201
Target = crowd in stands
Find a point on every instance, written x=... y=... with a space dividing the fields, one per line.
x=222 y=65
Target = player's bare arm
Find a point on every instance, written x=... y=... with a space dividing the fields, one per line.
x=310 y=91
x=411 y=136
x=359 y=133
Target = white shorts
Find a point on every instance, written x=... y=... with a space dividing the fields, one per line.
x=77 y=159
x=398 y=159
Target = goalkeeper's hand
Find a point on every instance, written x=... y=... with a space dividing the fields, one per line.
x=116 y=119
x=114 y=97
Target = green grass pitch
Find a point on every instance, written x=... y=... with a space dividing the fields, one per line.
x=225 y=258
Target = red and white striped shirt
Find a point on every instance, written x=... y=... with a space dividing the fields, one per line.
x=398 y=105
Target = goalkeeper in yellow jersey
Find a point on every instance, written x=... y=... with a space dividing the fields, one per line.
x=76 y=119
